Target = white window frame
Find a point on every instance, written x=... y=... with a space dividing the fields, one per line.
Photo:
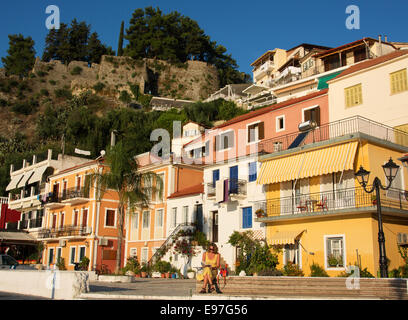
x=185 y=215
x=145 y=250
x=133 y=252
x=158 y=198
x=148 y=220
x=277 y=129
x=114 y=219
x=308 y=108
x=56 y=253
x=135 y=221
x=70 y=255
x=326 y=266
x=53 y=256
x=156 y=215
x=256 y=133
x=173 y=222
x=221 y=141
x=300 y=255
x=79 y=252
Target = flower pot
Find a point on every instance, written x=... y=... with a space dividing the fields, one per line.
x=163 y=275
x=137 y=275
x=143 y=274
x=167 y=275
x=191 y=275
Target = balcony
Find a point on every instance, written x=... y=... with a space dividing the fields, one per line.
x=263 y=69
x=53 y=201
x=65 y=231
x=75 y=196
x=22 y=225
x=35 y=223
x=237 y=189
x=343 y=200
x=336 y=129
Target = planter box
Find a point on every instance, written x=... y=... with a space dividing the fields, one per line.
x=156 y=274
x=112 y=278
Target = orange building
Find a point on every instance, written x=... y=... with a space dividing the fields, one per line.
x=79 y=223
x=147 y=225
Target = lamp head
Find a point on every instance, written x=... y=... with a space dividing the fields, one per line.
x=362 y=176
x=390 y=170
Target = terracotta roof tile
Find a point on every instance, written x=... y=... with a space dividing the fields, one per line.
x=197 y=189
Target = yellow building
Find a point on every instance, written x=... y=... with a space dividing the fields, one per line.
x=316 y=210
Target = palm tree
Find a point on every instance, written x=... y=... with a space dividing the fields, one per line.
x=120 y=174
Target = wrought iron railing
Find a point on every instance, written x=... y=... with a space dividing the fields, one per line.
x=65 y=231
x=75 y=193
x=35 y=223
x=334 y=130
x=23 y=224
x=237 y=186
x=12 y=225
x=350 y=198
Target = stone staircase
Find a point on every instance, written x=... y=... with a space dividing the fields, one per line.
x=308 y=287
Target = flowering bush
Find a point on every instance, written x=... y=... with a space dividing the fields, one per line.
x=184 y=247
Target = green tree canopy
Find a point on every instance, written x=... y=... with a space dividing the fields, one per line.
x=177 y=38
x=74 y=43
x=21 y=55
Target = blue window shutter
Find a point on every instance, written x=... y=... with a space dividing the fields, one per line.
x=247 y=217
x=216 y=176
x=252 y=172
x=233 y=182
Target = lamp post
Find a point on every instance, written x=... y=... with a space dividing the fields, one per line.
x=362 y=175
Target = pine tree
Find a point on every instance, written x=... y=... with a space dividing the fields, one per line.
x=120 y=45
x=21 y=55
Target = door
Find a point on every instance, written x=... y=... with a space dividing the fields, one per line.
x=84 y=217
x=215 y=226
x=198 y=209
x=233 y=182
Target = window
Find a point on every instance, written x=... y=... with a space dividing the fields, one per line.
x=256 y=132
x=59 y=253
x=291 y=253
x=84 y=217
x=312 y=114
x=280 y=123
x=159 y=218
x=216 y=176
x=185 y=214
x=110 y=218
x=160 y=183
x=62 y=219
x=399 y=81
x=146 y=219
x=247 y=217
x=335 y=251
x=82 y=251
x=75 y=218
x=72 y=254
x=252 y=171
x=51 y=256
x=133 y=252
x=145 y=253
x=224 y=141
x=78 y=183
x=135 y=221
x=353 y=96
x=173 y=217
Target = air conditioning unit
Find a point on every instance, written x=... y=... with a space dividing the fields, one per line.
x=402 y=238
x=62 y=243
x=277 y=146
x=103 y=242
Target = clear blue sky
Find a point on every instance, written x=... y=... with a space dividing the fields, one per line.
x=246 y=28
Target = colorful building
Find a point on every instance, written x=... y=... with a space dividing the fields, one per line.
x=316 y=211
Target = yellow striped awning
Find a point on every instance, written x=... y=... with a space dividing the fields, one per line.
x=284 y=237
x=309 y=164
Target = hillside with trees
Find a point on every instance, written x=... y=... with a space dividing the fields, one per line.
x=79 y=91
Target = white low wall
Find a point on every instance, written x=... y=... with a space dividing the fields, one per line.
x=45 y=283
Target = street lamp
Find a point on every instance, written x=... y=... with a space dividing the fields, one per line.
x=362 y=175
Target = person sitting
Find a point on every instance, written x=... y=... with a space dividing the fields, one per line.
x=211 y=263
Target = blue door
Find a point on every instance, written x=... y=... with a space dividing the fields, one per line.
x=233 y=180
x=247 y=217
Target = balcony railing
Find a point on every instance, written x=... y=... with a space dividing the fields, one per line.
x=23 y=224
x=237 y=187
x=337 y=129
x=12 y=225
x=35 y=223
x=65 y=231
x=351 y=198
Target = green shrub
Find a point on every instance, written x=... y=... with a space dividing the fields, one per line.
x=44 y=92
x=3 y=103
x=293 y=270
x=63 y=93
x=317 y=271
x=41 y=73
x=132 y=264
x=25 y=107
x=99 y=87
x=61 y=264
x=125 y=97
x=52 y=82
x=76 y=71
x=84 y=263
x=162 y=266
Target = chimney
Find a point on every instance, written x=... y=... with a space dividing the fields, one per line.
x=385 y=38
x=379 y=46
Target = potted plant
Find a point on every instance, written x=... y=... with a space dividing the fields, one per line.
x=332 y=260
x=84 y=263
x=144 y=270
x=260 y=213
x=61 y=264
